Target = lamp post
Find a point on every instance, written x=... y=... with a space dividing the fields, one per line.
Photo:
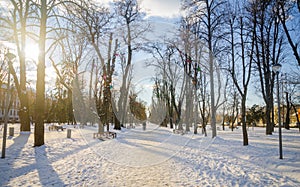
x=10 y=57
x=276 y=69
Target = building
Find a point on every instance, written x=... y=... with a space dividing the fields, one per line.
x=13 y=115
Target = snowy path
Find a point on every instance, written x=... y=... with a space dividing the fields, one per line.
x=139 y=148
x=155 y=157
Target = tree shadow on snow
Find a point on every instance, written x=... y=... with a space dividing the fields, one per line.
x=216 y=165
x=18 y=163
x=47 y=174
x=12 y=156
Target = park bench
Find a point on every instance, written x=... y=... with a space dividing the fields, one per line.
x=56 y=127
x=105 y=135
x=177 y=131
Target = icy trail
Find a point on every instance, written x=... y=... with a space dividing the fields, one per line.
x=155 y=157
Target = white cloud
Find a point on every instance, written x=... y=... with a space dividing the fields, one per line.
x=166 y=8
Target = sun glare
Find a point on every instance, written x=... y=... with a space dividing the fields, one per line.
x=32 y=51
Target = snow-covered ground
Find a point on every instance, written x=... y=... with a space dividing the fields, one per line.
x=155 y=157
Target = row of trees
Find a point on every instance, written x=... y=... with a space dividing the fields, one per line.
x=247 y=38
x=73 y=29
x=232 y=39
x=206 y=65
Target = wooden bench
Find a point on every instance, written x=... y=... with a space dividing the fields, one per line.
x=108 y=135
x=177 y=131
x=56 y=127
x=113 y=134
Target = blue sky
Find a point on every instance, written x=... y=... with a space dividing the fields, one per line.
x=163 y=13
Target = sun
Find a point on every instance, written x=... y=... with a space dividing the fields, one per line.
x=32 y=51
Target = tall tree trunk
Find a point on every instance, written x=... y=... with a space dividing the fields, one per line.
x=244 y=128
x=287 y=118
x=203 y=116
x=268 y=120
x=297 y=115
x=117 y=124
x=171 y=117
x=24 y=107
x=100 y=127
x=24 y=111
x=212 y=96
x=40 y=84
x=188 y=111
x=91 y=101
x=21 y=13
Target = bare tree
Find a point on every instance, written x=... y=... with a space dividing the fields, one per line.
x=44 y=12
x=188 y=55
x=40 y=84
x=16 y=22
x=3 y=66
x=292 y=85
x=161 y=108
x=96 y=19
x=284 y=13
x=27 y=18
x=208 y=14
x=71 y=50
x=226 y=103
x=130 y=16
x=204 y=104
x=169 y=83
x=108 y=112
x=234 y=113
x=268 y=43
x=241 y=76
x=3 y=77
